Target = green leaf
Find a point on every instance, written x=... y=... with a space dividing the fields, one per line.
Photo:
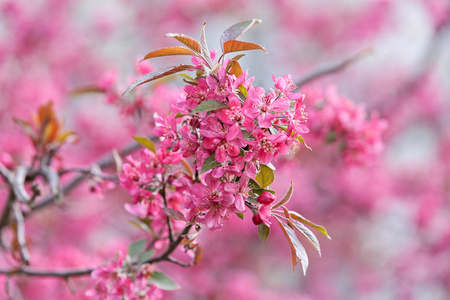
x=265 y=176
x=243 y=90
x=140 y=225
x=146 y=142
x=299 y=217
x=240 y=216
x=209 y=164
x=179 y=115
x=163 y=281
x=137 y=247
x=263 y=232
x=286 y=197
x=253 y=183
x=237 y=30
x=302 y=140
x=145 y=256
x=260 y=191
x=184 y=75
x=157 y=75
x=209 y=105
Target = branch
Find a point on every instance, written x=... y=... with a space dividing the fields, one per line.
x=103 y=163
x=45 y=273
x=172 y=247
x=337 y=67
x=21 y=233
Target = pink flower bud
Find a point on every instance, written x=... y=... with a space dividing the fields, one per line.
x=266 y=198
x=256 y=219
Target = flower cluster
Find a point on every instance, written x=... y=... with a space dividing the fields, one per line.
x=231 y=128
x=121 y=279
x=154 y=185
x=216 y=150
x=336 y=118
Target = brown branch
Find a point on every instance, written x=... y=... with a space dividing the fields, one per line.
x=337 y=67
x=45 y=273
x=172 y=247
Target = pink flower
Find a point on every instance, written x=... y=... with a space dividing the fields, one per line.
x=209 y=204
x=224 y=139
x=240 y=190
x=167 y=129
x=268 y=146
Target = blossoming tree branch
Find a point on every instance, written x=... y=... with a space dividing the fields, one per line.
x=213 y=162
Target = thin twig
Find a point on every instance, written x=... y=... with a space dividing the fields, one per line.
x=45 y=273
x=181 y=264
x=172 y=246
x=337 y=67
x=162 y=192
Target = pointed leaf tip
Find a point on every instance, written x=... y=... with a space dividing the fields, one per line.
x=168 y=52
x=236 y=30
x=190 y=42
x=234 y=46
x=157 y=75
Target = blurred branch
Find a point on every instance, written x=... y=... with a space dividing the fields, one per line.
x=337 y=67
x=20 y=233
x=45 y=273
x=105 y=162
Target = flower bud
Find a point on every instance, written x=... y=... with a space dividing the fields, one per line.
x=266 y=198
x=256 y=219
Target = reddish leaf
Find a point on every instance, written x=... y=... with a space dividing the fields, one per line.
x=295 y=244
x=187 y=40
x=187 y=167
x=158 y=74
x=236 y=58
x=169 y=51
x=299 y=217
x=86 y=90
x=235 y=68
x=286 y=197
x=234 y=45
x=308 y=234
x=198 y=251
x=235 y=31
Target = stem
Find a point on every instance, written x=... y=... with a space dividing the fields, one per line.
x=21 y=233
x=326 y=70
x=162 y=192
x=46 y=273
x=172 y=247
